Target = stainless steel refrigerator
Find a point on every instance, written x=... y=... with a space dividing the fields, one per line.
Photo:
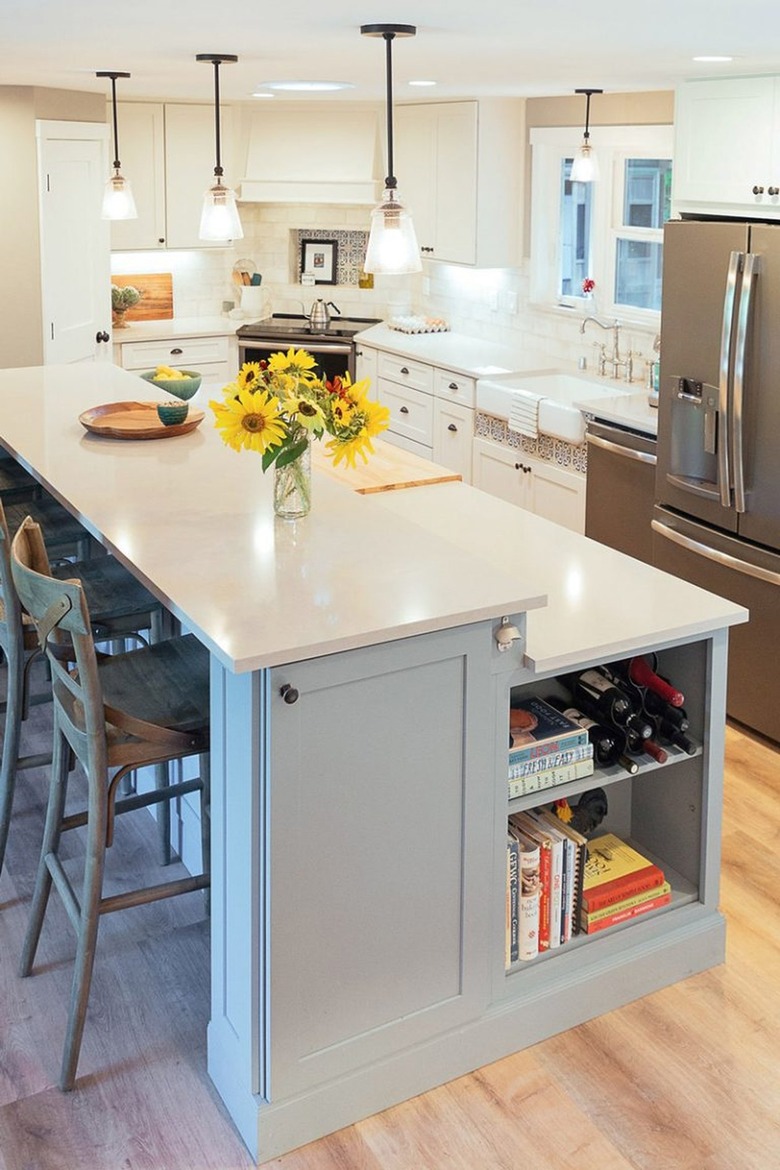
x=716 y=521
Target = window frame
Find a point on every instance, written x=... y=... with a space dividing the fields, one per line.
x=614 y=145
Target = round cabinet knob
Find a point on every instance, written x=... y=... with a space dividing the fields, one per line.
x=452 y=428
x=289 y=693
x=758 y=190
x=519 y=467
x=161 y=239
x=773 y=190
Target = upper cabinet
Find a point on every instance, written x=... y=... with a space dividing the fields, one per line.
x=459 y=170
x=167 y=154
x=727 y=147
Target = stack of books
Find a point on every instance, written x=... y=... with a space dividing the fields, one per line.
x=547 y=748
x=619 y=884
x=559 y=884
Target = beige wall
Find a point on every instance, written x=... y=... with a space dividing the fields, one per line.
x=21 y=343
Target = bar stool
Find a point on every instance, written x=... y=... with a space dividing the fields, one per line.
x=114 y=713
x=120 y=607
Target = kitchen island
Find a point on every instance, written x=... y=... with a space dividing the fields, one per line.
x=362 y=661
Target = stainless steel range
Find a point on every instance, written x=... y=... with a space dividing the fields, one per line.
x=333 y=347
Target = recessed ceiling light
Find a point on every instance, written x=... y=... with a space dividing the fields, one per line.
x=423 y=83
x=308 y=86
x=713 y=58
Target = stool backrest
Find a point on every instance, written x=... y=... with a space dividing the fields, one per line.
x=10 y=609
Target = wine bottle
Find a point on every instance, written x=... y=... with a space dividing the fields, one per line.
x=670 y=733
x=656 y=708
x=592 y=689
x=609 y=742
x=643 y=675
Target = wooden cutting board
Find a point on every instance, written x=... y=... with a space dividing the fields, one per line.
x=156 y=303
x=387 y=470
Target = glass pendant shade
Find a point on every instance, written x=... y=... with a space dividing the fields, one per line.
x=219 y=220
x=585 y=168
x=392 y=242
x=118 y=201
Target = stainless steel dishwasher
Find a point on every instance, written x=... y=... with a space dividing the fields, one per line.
x=620 y=488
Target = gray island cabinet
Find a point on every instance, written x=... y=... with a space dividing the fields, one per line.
x=359 y=717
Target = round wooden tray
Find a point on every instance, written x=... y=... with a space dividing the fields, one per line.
x=135 y=420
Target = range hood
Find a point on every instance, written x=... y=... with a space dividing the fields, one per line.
x=313 y=154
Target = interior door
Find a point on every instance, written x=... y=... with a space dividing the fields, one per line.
x=75 y=241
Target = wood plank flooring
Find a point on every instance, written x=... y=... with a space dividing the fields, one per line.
x=685 y=1079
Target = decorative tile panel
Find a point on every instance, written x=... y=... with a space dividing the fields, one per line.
x=350 y=254
x=544 y=447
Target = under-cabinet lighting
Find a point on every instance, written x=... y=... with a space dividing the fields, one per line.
x=422 y=83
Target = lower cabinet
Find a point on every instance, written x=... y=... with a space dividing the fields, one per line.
x=556 y=493
x=215 y=357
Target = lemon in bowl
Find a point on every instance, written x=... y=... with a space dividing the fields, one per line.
x=180 y=383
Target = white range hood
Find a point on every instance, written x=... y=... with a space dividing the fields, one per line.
x=313 y=154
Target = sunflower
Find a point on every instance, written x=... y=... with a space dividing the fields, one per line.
x=296 y=361
x=377 y=416
x=304 y=411
x=251 y=373
x=250 y=419
x=348 y=449
x=342 y=412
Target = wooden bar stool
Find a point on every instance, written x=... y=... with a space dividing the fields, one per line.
x=114 y=713
x=120 y=607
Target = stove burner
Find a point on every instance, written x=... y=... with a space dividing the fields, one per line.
x=292 y=326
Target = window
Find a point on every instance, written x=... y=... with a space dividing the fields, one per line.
x=610 y=231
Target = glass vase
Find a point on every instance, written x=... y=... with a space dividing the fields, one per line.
x=292 y=487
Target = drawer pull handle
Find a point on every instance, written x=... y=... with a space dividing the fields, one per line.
x=177 y=350
x=453 y=386
x=403 y=410
x=452 y=427
x=404 y=370
x=289 y=693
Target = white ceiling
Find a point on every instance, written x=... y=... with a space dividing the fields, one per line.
x=470 y=47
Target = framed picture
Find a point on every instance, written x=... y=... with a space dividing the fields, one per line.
x=318 y=259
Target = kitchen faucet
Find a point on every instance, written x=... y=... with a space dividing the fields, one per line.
x=612 y=359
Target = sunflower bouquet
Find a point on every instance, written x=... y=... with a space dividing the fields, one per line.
x=278 y=407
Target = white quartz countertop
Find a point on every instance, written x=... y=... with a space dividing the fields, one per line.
x=627 y=410
x=176 y=327
x=195 y=521
x=457 y=351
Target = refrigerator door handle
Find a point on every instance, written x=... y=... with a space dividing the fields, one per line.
x=724 y=428
x=749 y=275
x=713 y=554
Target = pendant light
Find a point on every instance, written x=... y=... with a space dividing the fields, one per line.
x=219 y=219
x=118 y=201
x=392 y=243
x=585 y=168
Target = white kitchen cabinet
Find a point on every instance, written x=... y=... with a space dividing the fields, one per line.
x=727 y=146
x=167 y=153
x=215 y=357
x=431 y=410
x=447 y=155
x=366 y=366
x=554 y=492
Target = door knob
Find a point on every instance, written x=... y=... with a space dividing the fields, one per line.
x=101 y=335
x=289 y=693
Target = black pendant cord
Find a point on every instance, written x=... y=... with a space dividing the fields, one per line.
x=117 y=164
x=218 y=168
x=390 y=181
x=587 y=116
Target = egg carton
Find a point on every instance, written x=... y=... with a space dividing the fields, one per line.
x=418 y=324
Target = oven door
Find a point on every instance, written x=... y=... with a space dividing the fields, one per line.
x=333 y=358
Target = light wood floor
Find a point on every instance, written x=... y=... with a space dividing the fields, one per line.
x=686 y=1079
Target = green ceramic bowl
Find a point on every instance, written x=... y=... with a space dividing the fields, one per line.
x=171 y=413
x=183 y=388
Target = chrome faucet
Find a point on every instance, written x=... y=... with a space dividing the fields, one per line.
x=612 y=359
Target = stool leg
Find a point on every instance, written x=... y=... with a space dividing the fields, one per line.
x=11 y=737
x=89 y=922
x=58 y=786
x=204 y=762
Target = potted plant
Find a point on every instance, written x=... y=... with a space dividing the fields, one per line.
x=122 y=299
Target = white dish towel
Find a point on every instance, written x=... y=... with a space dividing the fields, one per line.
x=524 y=413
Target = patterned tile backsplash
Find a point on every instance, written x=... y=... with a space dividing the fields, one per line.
x=350 y=251
x=487 y=426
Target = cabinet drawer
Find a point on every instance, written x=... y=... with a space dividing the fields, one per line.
x=455 y=387
x=406 y=372
x=180 y=352
x=411 y=412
